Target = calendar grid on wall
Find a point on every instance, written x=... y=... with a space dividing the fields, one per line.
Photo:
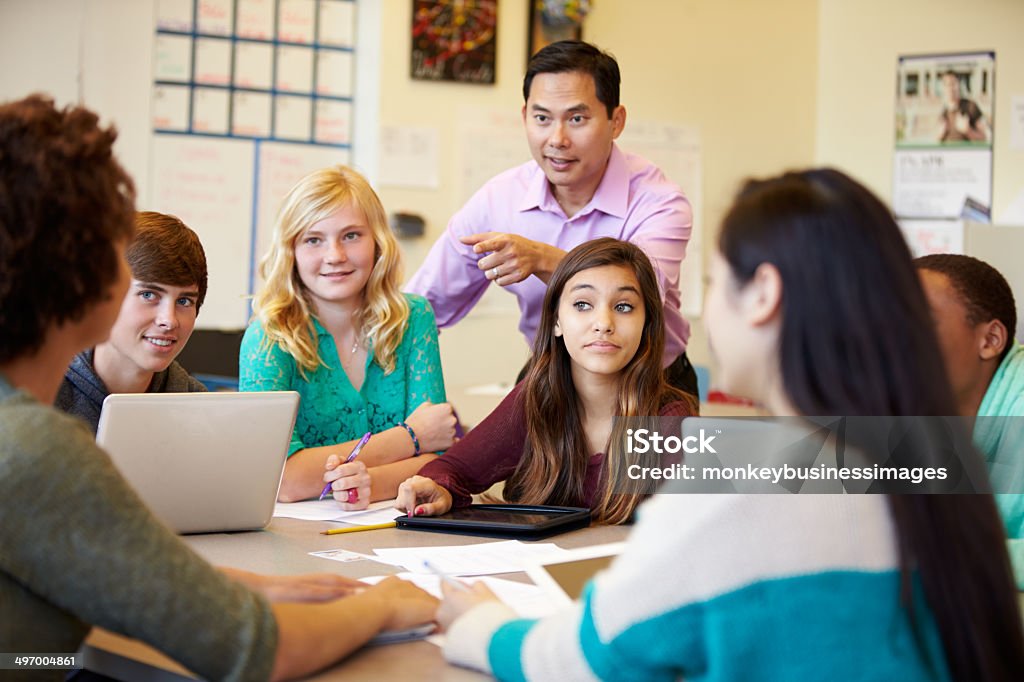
x=277 y=70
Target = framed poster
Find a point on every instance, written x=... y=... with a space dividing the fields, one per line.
x=554 y=20
x=942 y=167
x=454 y=40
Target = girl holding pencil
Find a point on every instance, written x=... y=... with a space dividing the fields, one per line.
x=597 y=356
x=331 y=323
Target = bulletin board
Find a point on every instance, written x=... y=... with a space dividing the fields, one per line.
x=248 y=96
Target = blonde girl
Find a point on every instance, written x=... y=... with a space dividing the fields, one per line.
x=331 y=323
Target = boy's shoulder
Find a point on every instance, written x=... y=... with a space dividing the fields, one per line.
x=178 y=380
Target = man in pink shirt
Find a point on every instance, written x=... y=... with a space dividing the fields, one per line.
x=580 y=186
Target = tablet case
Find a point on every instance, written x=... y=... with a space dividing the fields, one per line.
x=503 y=521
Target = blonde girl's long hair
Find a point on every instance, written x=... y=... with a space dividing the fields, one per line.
x=555 y=458
x=283 y=305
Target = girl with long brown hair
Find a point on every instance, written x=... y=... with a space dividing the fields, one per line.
x=597 y=356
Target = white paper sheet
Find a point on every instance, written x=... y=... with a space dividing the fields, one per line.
x=255 y=19
x=337 y=23
x=254 y=65
x=208 y=184
x=282 y=165
x=410 y=156
x=342 y=555
x=488 y=141
x=174 y=15
x=933 y=236
x=333 y=122
x=251 y=114
x=213 y=61
x=292 y=118
x=294 y=69
x=1017 y=123
x=487 y=558
x=500 y=389
x=170 y=107
x=172 y=60
x=334 y=73
x=328 y=510
x=934 y=183
x=216 y=17
x=526 y=599
x=676 y=150
x=210 y=111
x=1013 y=214
x=295 y=21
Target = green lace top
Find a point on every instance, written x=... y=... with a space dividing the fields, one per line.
x=331 y=409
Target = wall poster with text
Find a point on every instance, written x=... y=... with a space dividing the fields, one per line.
x=942 y=166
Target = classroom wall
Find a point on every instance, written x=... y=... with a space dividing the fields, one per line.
x=723 y=67
x=93 y=51
x=859 y=43
x=769 y=86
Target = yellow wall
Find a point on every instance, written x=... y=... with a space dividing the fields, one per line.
x=860 y=42
x=743 y=71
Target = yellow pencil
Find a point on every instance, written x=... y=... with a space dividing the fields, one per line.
x=356 y=529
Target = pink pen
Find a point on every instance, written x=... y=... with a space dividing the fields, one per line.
x=355 y=451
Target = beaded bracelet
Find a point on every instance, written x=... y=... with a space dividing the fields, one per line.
x=415 y=440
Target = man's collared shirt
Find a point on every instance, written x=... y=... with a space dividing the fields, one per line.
x=634 y=202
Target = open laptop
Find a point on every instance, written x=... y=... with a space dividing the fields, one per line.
x=203 y=462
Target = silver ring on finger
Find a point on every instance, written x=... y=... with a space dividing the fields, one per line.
x=494 y=273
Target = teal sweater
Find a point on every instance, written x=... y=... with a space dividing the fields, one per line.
x=79 y=548
x=331 y=409
x=727 y=587
x=999 y=435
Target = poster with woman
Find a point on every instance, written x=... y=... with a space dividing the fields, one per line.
x=943 y=135
x=945 y=99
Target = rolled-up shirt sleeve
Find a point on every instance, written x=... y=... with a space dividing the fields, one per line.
x=664 y=232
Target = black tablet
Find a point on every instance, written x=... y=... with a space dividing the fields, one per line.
x=502 y=520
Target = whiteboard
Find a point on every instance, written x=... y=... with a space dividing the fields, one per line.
x=280 y=166
x=236 y=122
x=207 y=182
